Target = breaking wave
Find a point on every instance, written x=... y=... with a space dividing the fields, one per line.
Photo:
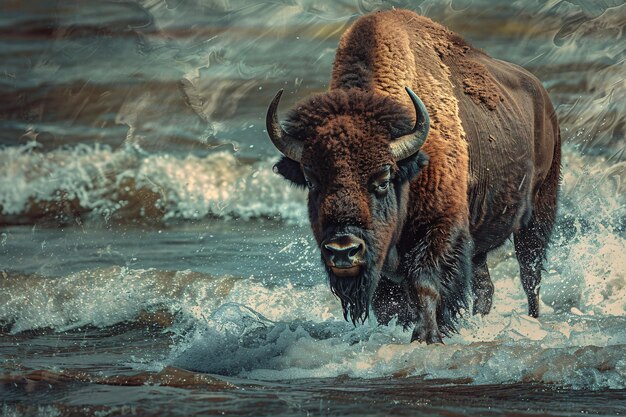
x=128 y=184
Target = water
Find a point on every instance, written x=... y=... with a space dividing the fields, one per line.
x=152 y=263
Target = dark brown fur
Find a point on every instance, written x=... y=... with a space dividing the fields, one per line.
x=493 y=171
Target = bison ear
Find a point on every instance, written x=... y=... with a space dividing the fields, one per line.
x=291 y=171
x=409 y=168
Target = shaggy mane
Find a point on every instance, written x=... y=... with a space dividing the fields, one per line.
x=382 y=113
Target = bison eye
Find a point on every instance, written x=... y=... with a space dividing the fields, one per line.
x=310 y=179
x=311 y=184
x=382 y=187
x=379 y=182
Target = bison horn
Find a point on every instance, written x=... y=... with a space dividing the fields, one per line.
x=409 y=144
x=288 y=145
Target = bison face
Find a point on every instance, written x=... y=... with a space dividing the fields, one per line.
x=347 y=147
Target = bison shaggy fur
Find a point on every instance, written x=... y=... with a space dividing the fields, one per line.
x=409 y=237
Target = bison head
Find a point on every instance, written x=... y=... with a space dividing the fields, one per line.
x=356 y=152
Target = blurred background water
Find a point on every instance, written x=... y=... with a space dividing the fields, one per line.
x=151 y=262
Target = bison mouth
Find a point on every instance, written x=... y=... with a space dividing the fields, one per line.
x=352 y=271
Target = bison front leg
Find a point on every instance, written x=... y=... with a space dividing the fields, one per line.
x=428 y=300
x=439 y=270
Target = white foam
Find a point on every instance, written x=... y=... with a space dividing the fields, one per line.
x=586 y=268
x=582 y=353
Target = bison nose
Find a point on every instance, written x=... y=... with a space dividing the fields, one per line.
x=343 y=251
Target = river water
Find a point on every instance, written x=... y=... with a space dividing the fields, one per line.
x=151 y=263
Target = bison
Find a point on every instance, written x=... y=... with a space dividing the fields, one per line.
x=408 y=194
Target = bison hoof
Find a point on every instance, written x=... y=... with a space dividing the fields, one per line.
x=428 y=335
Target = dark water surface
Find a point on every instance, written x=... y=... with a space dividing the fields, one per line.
x=151 y=263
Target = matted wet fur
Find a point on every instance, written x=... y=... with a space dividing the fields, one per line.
x=488 y=169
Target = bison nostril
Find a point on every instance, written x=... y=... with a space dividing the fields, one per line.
x=344 y=251
x=355 y=251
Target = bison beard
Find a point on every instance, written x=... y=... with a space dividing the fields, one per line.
x=353 y=294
